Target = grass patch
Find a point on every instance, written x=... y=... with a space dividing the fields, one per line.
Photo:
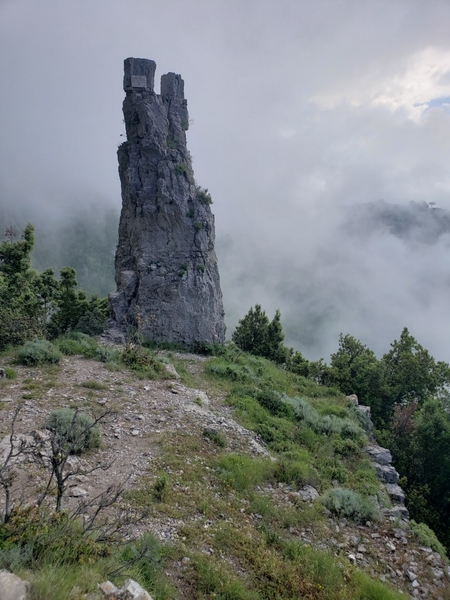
x=93 y=385
x=10 y=373
x=215 y=436
x=242 y=473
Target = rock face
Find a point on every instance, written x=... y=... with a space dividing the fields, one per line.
x=13 y=588
x=167 y=276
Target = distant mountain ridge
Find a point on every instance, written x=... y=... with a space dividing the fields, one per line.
x=416 y=221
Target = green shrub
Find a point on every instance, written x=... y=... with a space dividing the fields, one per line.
x=215 y=436
x=346 y=503
x=427 y=537
x=75 y=343
x=293 y=472
x=38 y=352
x=161 y=488
x=141 y=361
x=106 y=355
x=213 y=580
x=328 y=424
x=10 y=373
x=91 y=324
x=243 y=473
x=202 y=195
x=273 y=402
x=75 y=431
x=16 y=326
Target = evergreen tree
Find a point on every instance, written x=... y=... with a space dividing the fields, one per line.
x=412 y=374
x=251 y=334
x=356 y=370
x=259 y=336
x=275 y=350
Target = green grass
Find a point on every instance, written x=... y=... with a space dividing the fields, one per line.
x=93 y=385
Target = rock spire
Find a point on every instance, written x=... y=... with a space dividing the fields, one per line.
x=166 y=268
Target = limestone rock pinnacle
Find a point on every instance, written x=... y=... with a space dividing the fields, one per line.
x=167 y=275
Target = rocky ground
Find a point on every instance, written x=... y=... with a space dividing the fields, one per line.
x=144 y=413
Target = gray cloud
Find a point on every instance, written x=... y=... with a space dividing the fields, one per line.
x=299 y=110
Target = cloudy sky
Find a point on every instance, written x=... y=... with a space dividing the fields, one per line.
x=298 y=108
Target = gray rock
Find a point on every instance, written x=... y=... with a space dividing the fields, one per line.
x=397 y=512
x=386 y=473
x=12 y=587
x=166 y=268
x=129 y=591
x=379 y=455
x=395 y=492
x=308 y=493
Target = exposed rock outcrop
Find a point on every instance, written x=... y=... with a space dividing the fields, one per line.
x=381 y=459
x=167 y=275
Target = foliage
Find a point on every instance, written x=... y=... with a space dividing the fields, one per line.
x=215 y=436
x=259 y=336
x=412 y=374
x=356 y=370
x=243 y=473
x=38 y=352
x=427 y=537
x=142 y=361
x=420 y=445
x=38 y=304
x=202 y=195
x=347 y=503
x=10 y=373
x=61 y=557
x=75 y=431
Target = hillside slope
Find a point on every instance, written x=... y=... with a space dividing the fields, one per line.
x=231 y=507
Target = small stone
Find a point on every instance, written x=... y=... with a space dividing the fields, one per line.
x=77 y=492
x=12 y=587
x=390 y=546
x=135 y=432
x=352 y=558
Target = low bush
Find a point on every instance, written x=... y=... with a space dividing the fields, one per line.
x=215 y=436
x=10 y=373
x=141 y=361
x=76 y=432
x=243 y=473
x=75 y=343
x=328 y=423
x=427 y=537
x=273 y=402
x=38 y=352
x=16 y=326
x=346 y=503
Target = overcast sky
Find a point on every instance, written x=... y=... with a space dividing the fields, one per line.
x=298 y=107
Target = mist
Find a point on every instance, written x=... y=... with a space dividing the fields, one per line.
x=302 y=114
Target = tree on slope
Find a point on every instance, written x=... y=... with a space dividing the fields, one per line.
x=356 y=370
x=259 y=336
x=412 y=374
